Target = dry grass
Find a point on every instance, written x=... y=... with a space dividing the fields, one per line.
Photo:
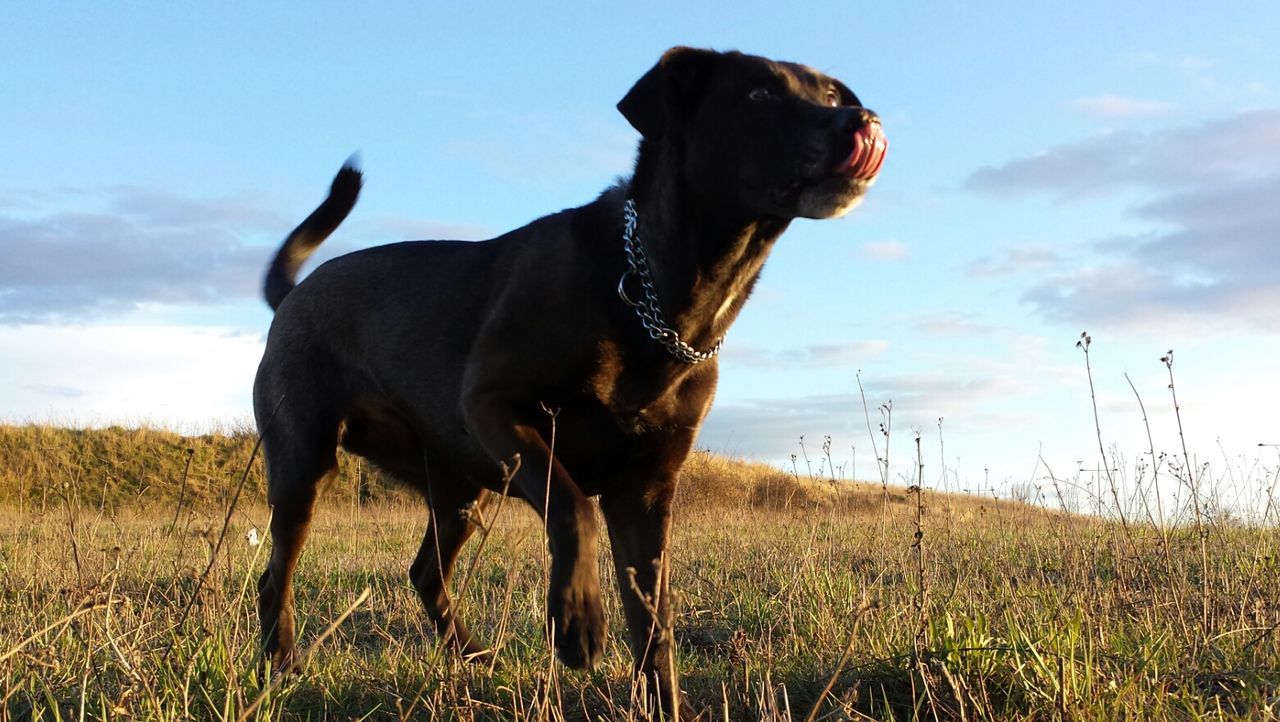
x=1011 y=612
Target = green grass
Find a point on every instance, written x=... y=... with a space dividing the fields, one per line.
x=1010 y=612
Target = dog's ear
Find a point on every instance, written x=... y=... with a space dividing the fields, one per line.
x=669 y=92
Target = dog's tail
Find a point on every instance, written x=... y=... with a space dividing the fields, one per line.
x=303 y=241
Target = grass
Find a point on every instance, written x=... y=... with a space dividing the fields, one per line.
x=998 y=610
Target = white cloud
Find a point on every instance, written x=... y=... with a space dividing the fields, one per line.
x=884 y=250
x=1213 y=269
x=1185 y=61
x=53 y=390
x=1116 y=106
x=136 y=246
x=813 y=356
x=948 y=323
x=144 y=247
x=1246 y=145
x=770 y=427
x=127 y=373
x=1019 y=259
x=1210 y=255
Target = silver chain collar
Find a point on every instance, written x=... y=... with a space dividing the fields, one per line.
x=647 y=308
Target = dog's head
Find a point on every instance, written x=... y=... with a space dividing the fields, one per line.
x=791 y=141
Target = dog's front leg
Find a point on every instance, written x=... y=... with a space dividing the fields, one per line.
x=575 y=616
x=639 y=523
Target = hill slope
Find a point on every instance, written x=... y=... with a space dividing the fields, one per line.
x=119 y=467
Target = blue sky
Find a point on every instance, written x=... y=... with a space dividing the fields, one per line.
x=1053 y=168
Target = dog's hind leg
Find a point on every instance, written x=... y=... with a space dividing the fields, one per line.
x=296 y=464
x=447 y=530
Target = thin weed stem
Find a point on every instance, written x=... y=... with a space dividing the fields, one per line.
x=1167 y=554
x=182 y=489
x=866 y=412
x=1194 y=486
x=917 y=547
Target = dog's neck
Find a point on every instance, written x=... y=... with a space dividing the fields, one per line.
x=704 y=256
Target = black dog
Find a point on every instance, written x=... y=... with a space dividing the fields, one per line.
x=437 y=360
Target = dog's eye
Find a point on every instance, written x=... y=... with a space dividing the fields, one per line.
x=761 y=93
x=833 y=98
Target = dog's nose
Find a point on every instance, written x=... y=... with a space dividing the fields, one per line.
x=860 y=118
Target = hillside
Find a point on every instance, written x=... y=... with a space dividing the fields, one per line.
x=117 y=468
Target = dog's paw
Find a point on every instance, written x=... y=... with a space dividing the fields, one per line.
x=459 y=639
x=575 y=618
x=282 y=662
x=689 y=713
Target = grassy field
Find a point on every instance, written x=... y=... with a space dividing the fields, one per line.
x=798 y=598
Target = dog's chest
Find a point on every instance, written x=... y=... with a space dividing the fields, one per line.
x=660 y=416
x=647 y=398
x=639 y=409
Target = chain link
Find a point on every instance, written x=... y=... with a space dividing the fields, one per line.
x=648 y=308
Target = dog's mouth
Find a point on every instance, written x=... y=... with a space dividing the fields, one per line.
x=822 y=188
x=869 y=148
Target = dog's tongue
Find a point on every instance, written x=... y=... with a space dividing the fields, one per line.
x=869 y=147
